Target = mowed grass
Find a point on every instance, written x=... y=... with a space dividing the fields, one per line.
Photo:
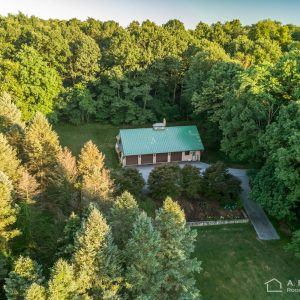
x=104 y=136
x=236 y=264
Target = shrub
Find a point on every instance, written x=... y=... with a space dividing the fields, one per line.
x=191 y=181
x=130 y=180
x=165 y=180
x=219 y=184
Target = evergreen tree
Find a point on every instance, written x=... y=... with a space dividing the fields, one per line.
x=7 y=212
x=41 y=146
x=11 y=121
x=9 y=163
x=64 y=190
x=90 y=157
x=122 y=216
x=28 y=188
x=89 y=240
x=62 y=283
x=25 y=272
x=9 y=115
x=143 y=268
x=35 y=292
x=66 y=242
x=97 y=184
x=177 y=246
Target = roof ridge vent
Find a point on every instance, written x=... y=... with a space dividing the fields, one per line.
x=160 y=126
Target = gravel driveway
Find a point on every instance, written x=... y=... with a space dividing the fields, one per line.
x=263 y=227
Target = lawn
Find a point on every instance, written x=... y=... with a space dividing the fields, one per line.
x=236 y=264
x=103 y=135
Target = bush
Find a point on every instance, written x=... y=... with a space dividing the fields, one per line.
x=191 y=181
x=165 y=180
x=219 y=184
x=130 y=180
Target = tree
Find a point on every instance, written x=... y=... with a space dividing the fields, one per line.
x=130 y=180
x=122 y=217
x=90 y=157
x=97 y=184
x=39 y=83
x=219 y=83
x=175 y=256
x=79 y=105
x=35 y=292
x=219 y=184
x=25 y=272
x=191 y=181
x=66 y=243
x=41 y=147
x=143 y=272
x=83 y=64
x=276 y=185
x=294 y=245
x=28 y=188
x=9 y=163
x=95 y=257
x=9 y=115
x=165 y=180
x=62 y=282
x=8 y=213
x=64 y=186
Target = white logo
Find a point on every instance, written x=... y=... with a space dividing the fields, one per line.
x=274 y=286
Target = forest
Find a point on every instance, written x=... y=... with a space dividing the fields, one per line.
x=241 y=84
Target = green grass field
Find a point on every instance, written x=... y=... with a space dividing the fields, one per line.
x=236 y=264
x=104 y=136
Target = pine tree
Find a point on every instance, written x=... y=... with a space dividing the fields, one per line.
x=9 y=114
x=109 y=280
x=11 y=121
x=7 y=212
x=41 y=146
x=143 y=269
x=66 y=242
x=90 y=157
x=35 y=292
x=88 y=241
x=97 y=184
x=62 y=283
x=64 y=190
x=9 y=163
x=28 y=188
x=122 y=216
x=177 y=247
x=25 y=272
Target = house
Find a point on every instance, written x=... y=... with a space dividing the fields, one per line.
x=159 y=144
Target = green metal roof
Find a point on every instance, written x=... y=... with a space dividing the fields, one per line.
x=171 y=139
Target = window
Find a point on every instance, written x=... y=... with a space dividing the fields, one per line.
x=187 y=152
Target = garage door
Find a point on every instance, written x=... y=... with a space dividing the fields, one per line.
x=147 y=159
x=176 y=156
x=161 y=157
x=131 y=160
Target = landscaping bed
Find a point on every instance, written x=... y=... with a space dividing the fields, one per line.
x=209 y=210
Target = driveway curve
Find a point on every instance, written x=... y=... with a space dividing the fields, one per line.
x=260 y=221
